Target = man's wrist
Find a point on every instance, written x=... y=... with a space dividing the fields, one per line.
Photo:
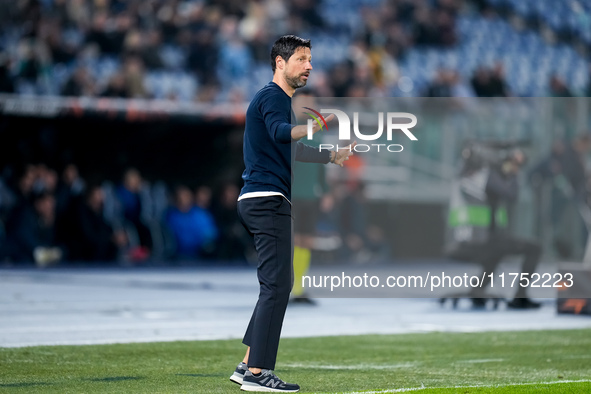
x=333 y=156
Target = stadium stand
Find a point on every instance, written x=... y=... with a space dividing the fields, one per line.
x=203 y=51
x=171 y=50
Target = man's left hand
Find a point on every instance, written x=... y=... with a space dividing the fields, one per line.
x=343 y=154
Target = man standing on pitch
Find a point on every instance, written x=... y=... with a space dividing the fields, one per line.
x=270 y=145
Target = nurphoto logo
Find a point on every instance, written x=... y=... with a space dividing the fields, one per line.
x=392 y=120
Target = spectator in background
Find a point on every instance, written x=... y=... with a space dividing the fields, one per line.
x=133 y=44
x=25 y=183
x=307 y=12
x=193 y=227
x=7 y=200
x=69 y=192
x=327 y=223
x=144 y=45
x=327 y=234
x=33 y=60
x=441 y=85
x=490 y=83
x=448 y=83
x=568 y=160
x=235 y=58
x=95 y=239
x=573 y=163
x=397 y=41
x=32 y=232
x=564 y=170
x=445 y=29
x=459 y=88
x=79 y=84
x=6 y=82
x=129 y=194
x=481 y=82
x=203 y=197
x=558 y=88
x=18 y=198
x=498 y=82
x=15 y=197
x=424 y=31
x=502 y=189
x=133 y=72
x=109 y=33
x=353 y=222
x=203 y=49
x=116 y=86
x=258 y=45
x=60 y=50
x=168 y=16
x=234 y=239
x=341 y=78
x=46 y=179
x=97 y=33
x=150 y=51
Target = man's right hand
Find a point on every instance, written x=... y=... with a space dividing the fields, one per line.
x=299 y=132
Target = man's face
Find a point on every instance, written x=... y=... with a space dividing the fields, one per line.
x=297 y=68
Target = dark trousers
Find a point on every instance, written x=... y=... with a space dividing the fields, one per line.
x=269 y=221
x=491 y=253
x=503 y=246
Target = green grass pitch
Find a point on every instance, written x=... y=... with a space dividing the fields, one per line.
x=490 y=362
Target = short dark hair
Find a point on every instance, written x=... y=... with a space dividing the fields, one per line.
x=285 y=46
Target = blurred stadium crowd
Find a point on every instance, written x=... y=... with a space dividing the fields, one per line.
x=209 y=50
x=51 y=218
x=217 y=51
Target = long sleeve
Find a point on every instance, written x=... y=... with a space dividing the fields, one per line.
x=276 y=118
x=309 y=154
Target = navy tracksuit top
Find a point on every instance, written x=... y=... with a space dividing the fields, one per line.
x=269 y=150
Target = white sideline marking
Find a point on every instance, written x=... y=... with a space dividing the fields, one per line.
x=483 y=360
x=354 y=367
x=405 y=390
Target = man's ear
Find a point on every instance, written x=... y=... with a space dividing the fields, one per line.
x=279 y=62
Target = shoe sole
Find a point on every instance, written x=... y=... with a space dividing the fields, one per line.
x=236 y=378
x=263 y=389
